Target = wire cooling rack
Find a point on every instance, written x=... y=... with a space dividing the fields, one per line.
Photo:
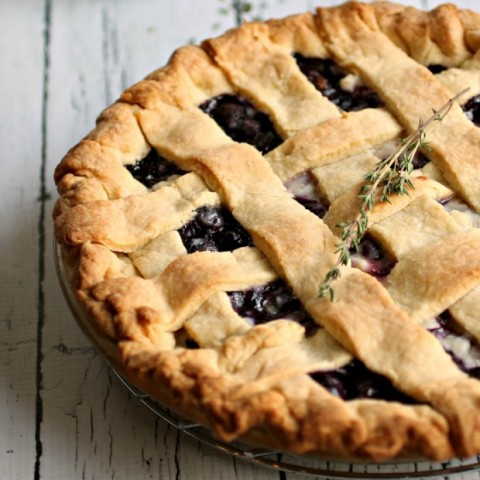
x=302 y=464
x=306 y=465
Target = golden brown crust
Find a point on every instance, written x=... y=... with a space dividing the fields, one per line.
x=431 y=38
x=409 y=90
x=332 y=140
x=345 y=207
x=447 y=281
x=273 y=81
x=142 y=293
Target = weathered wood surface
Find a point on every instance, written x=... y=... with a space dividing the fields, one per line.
x=64 y=415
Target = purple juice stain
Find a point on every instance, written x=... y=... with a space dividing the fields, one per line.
x=371 y=258
x=445 y=330
x=304 y=191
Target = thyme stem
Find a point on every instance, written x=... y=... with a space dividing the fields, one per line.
x=391 y=176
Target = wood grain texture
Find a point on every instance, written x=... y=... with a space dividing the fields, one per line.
x=21 y=280
x=64 y=415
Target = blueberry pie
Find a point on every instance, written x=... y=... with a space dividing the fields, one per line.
x=200 y=217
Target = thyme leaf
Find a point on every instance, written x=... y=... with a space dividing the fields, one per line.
x=389 y=177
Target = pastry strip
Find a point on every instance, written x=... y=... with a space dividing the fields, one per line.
x=188 y=80
x=164 y=303
x=326 y=143
x=337 y=178
x=467 y=314
x=297 y=33
x=409 y=90
x=128 y=223
x=346 y=207
x=267 y=74
x=422 y=222
x=447 y=281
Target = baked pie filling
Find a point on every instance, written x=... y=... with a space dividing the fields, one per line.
x=200 y=217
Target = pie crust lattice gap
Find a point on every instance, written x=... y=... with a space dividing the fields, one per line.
x=250 y=150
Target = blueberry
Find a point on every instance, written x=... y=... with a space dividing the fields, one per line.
x=232 y=239
x=274 y=300
x=257 y=301
x=355 y=380
x=419 y=160
x=237 y=299
x=380 y=268
x=316 y=206
x=367 y=390
x=436 y=68
x=210 y=218
x=326 y=75
x=472 y=110
x=153 y=169
x=202 y=245
x=369 y=249
x=334 y=385
x=379 y=264
x=213 y=229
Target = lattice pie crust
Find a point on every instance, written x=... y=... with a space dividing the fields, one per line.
x=165 y=313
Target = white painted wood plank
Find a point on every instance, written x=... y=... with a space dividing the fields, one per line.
x=21 y=120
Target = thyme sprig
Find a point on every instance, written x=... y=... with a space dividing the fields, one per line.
x=391 y=176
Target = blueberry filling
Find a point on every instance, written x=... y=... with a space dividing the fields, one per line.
x=459 y=345
x=274 y=300
x=183 y=339
x=419 y=160
x=241 y=121
x=214 y=229
x=153 y=169
x=436 y=68
x=371 y=258
x=316 y=206
x=472 y=110
x=355 y=380
x=191 y=344
x=305 y=192
x=327 y=77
